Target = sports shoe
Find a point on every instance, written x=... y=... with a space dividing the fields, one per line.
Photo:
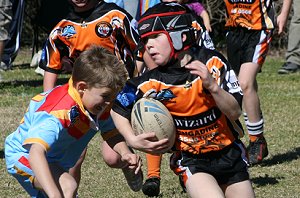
x=257 y=150
x=4 y=66
x=36 y=59
x=39 y=71
x=134 y=181
x=151 y=187
x=289 y=67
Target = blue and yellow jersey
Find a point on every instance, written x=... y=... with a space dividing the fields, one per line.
x=58 y=121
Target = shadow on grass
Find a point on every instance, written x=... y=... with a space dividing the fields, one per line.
x=22 y=66
x=265 y=180
x=1 y=154
x=283 y=157
x=29 y=83
x=276 y=159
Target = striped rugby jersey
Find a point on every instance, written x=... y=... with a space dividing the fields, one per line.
x=200 y=125
x=250 y=14
x=107 y=25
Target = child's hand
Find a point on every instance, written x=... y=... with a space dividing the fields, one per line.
x=133 y=160
x=147 y=142
x=198 y=68
x=281 y=22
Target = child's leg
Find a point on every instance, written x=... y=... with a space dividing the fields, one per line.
x=240 y=189
x=153 y=165
x=75 y=171
x=151 y=187
x=203 y=184
x=110 y=157
x=253 y=113
x=246 y=52
x=66 y=182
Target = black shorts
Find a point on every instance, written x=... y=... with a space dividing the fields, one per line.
x=245 y=45
x=227 y=166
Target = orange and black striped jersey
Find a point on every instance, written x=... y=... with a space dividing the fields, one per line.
x=106 y=25
x=250 y=14
x=200 y=125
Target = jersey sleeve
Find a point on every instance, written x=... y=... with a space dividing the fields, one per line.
x=106 y=125
x=125 y=101
x=44 y=130
x=127 y=39
x=232 y=85
x=56 y=52
x=226 y=78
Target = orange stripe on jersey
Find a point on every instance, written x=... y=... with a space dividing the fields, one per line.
x=61 y=114
x=39 y=97
x=214 y=65
x=22 y=120
x=24 y=174
x=37 y=140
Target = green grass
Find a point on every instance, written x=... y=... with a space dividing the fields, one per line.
x=277 y=177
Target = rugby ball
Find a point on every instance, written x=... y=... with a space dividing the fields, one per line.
x=150 y=115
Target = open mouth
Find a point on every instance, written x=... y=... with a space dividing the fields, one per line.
x=153 y=54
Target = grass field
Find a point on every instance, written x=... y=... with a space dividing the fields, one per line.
x=277 y=177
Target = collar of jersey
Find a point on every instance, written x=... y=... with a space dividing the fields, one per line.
x=76 y=97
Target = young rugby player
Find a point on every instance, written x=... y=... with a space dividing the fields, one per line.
x=59 y=124
x=204 y=98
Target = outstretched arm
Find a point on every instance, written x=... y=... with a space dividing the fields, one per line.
x=130 y=159
x=40 y=167
x=49 y=81
x=204 y=15
x=283 y=16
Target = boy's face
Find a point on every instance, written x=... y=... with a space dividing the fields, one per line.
x=95 y=100
x=159 y=49
x=83 y=5
x=79 y=3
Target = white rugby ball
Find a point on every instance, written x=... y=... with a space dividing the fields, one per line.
x=150 y=115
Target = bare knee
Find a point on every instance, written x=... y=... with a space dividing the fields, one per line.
x=68 y=186
x=244 y=85
x=110 y=157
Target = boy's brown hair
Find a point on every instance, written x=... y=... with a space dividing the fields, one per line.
x=98 y=67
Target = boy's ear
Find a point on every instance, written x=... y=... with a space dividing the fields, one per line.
x=183 y=37
x=81 y=86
